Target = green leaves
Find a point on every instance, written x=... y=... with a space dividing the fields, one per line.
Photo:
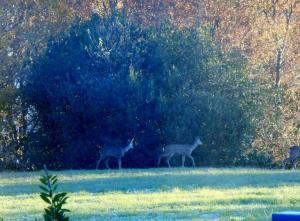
x=54 y=212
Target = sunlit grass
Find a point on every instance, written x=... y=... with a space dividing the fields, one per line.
x=158 y=194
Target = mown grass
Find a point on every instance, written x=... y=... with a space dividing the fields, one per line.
x=158 y=194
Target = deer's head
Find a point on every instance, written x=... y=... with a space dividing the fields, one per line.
x=198 y=141
x=131 y=144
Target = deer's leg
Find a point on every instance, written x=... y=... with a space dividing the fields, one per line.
x=192 y=159
x=183 y=160
x=294 y=163
x=158 y=161
x=98 y=162
x=168 y=160
x=120 y=163
x=106 y=163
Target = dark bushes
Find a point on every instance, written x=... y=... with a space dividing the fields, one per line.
x=109 y=79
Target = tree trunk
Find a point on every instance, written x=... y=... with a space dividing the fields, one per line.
x=278 y=68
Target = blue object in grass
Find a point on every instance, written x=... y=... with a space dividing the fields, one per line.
x=286 y=216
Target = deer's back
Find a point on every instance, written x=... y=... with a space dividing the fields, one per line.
x=177 y=148
x=112 y=151
x=294 y=151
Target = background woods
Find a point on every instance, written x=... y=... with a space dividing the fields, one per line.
x=77 y=75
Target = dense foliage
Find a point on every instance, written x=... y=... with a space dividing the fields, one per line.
x=109 y=79
x=162 y=71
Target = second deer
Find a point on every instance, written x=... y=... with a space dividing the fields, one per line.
x=185 y=150
x=294 y=155
x=106 y=152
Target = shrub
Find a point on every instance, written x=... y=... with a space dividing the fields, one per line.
x=109 y=79
x=56 y=201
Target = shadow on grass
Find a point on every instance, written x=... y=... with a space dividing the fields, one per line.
x=234 y=212
x=159 y=181
x=217 y=213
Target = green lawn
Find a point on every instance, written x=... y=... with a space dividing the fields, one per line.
x=158 y=194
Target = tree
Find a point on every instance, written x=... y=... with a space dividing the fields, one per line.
x=262 y=33
x=111 y=78
x=25 y=29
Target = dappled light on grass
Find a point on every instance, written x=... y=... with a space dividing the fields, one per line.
x=159 y=194
x=149 y=180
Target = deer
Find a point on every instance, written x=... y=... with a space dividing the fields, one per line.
x=293 y=156
x=107 y=152
x=185 y=150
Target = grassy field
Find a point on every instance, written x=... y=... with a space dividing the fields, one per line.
x=158 y=194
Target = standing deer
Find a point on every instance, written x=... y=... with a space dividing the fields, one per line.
x=185 y=150
x=293 y=156
x=117 y=152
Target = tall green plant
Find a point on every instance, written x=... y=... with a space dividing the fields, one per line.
x=55 y=201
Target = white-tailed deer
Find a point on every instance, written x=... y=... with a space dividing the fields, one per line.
x=185 y=150
x=293 y=156
x=106 y=152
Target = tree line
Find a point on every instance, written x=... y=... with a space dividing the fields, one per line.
x=105 y=76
